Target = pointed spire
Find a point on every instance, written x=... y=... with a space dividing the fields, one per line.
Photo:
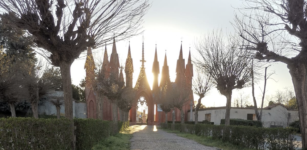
x=143 y=60
x=129 y=62
x=180 y=53
x=114 y=61
x=165 y=60
x=129 y=51
x=156 y=66
x=180 y=68
x=165 y=79
x=189 y=59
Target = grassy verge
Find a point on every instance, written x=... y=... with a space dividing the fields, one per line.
x=207 y=141
x=121 y=141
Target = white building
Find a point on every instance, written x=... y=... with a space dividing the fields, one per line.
x=275 y=115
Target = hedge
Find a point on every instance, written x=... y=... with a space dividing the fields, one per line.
x=90 y=131
x=35 y=134
x=250 y=137
x=241 y=122
x=193 y=122
x=53 y=134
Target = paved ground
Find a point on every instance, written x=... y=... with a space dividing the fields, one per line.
x=150 y=138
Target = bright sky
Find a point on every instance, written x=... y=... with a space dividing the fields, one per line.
x=167 y=23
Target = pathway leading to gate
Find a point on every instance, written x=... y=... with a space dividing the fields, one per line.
x=150 y=138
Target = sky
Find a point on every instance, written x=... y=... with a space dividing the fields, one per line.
x=167 y=24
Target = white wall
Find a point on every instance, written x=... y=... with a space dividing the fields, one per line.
x=46 y=107
x=275 y=116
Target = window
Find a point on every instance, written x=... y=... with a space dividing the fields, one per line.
x=208 y=117
x=251 y=117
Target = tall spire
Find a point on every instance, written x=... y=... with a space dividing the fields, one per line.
x=156 y=66
x=189 y=67
x=105 y=68
x=165 y=60
x=114 y=61
x=155 y=71
x=90 y=71
x=165 y=79
x=180 y=69
x=129 y=69
x=180 y=53
x=143 y=60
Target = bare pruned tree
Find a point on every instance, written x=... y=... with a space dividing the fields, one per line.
x=126 y=101
x=266 y=77
x=164 y=101
x=112 y=88
x=286 y=17
x=67 y=28
x=201 y=87
x=178 y=97
x=228 y=66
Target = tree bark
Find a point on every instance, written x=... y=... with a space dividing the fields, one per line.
x=299 y=74
x=196 y=109
x=166 y=117
x=173 y=116
x=100 y=106
x=35 y=109
x=115 y=116
x=121 y=114
x=263 y=94
x=66 y=79
x=253 y=93
x=58 y=112
x=228 y=104
x=13 y=111
x=182 y=116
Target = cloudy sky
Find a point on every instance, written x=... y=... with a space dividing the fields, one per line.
x=167 y=23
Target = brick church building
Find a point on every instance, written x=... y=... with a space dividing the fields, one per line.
x=155 y=115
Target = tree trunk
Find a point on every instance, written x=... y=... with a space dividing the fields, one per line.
x=13 y=111
x=299 y=74
x=173 y=116
x=115 y=116
x=228 y=104
x=66 y=79
x=166 y=117
x=263 y=93
x=58 y=111
x=100 y=106
x=121 y=115
x=35 y=109
x=196 y=109
x=253 y=94
x=182 y=116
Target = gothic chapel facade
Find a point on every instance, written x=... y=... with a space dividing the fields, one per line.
x=183 y=78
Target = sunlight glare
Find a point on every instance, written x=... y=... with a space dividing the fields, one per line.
x=155 y=128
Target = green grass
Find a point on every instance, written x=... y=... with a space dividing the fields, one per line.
x=121 y=141
x=207 y=141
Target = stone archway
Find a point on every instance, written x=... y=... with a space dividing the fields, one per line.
x=150 y=105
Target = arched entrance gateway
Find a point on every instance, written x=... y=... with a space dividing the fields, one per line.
x=155 y=115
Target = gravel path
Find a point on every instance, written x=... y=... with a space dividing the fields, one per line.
x=151 y=138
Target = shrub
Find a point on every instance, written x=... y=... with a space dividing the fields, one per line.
x=296 y=125
x=35 y=134
x=241 y=122
x=246 y=136
x=90 y=131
